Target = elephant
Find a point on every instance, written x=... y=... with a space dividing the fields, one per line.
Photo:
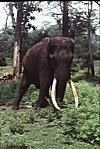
x=50 y=58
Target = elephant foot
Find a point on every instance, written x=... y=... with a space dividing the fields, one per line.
x=39 y=105
x=15 y=106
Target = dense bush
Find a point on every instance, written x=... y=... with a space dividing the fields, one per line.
x=83 y=124
x=8 y=91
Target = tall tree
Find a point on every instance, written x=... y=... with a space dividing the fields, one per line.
x=90 y=55
x=71 y=15
x=17 y=43
x=65 y=19
x=21 y=25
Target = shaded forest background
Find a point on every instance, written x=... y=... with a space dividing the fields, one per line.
x=75 y=22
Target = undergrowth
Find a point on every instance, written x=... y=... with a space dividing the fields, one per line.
x=69 y=128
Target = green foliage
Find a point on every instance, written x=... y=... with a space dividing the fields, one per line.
x=83 y=124
x=81 y=46
x=96 y=49
x=6 y=41
x=2 y=60
x=31 y=95
x=9 y=62
x=8 y=91
x=16 y=128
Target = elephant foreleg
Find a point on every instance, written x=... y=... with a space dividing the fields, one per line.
x=42 y=102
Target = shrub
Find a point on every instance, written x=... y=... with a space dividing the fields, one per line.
x=83 y=124
x=8 y=91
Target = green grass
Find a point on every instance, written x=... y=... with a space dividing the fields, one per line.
x=50 y=129
x=38 y=133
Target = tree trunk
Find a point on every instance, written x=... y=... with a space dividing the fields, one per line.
x=65 y=19
x=11 y=13
x=6 y=17
x=17 y=43
x=90 y=56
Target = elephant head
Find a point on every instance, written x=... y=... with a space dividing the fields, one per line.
x=61 y=53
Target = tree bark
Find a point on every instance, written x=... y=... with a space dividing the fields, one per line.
x=17 y=43
x=65 y=19
x=90 y=55
x=6 y=17
x=11 y=13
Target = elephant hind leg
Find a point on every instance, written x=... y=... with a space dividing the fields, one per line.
x=22 y=89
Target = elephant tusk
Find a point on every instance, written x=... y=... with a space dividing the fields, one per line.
x=53 y=94
x=74 y=92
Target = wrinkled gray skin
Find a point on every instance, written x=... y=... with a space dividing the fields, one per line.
x=51 y=57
